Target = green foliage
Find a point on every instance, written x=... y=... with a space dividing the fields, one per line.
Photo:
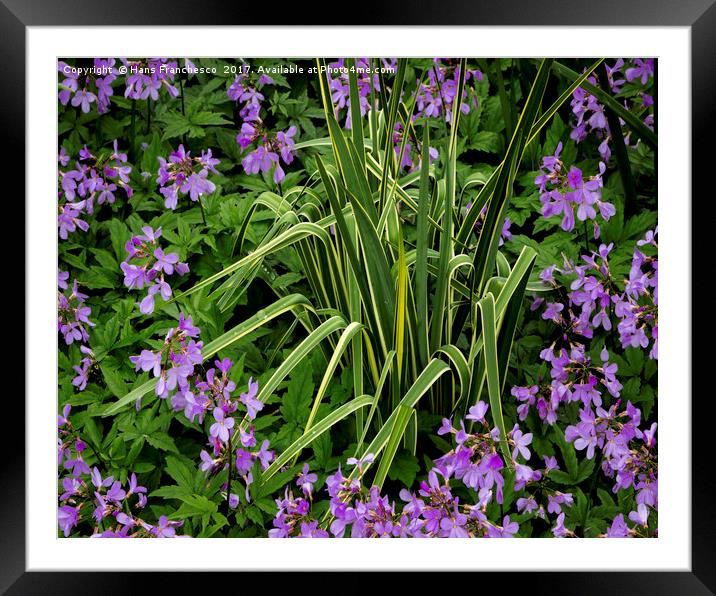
x=364 y=298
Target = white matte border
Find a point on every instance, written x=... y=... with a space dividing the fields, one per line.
x=671 y=551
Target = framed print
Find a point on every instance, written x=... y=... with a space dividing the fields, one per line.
x=360 y=281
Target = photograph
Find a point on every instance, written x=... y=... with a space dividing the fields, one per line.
x=357 y=297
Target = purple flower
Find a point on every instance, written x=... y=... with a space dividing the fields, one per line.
x=264 y=455
x=165 y=262
x=221 y=428
x=526 y=505
x=207 y=463
x=445 y=427
x=147 y=361
x=640 y=516
x=559 y=530
x=550 y=463
x=454 y=526
x=311 y=530
x=165 y=528
x=521 y=441
x=253 y=405
x=306 y=480
x=244 y=461
x=642 y=69
x=618 y=529
x=477 y=412
x=84 y=98
x=67 y=518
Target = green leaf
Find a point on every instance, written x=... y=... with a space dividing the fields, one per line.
x=263 y=316
x=175 y=125
x=208 y=119
x=322 y=449
x=405 y=467
x=427 y=378
x=114 y=380
x=296 y=403
x=162 y=441
x=171 y=492
x=487 y=315
x=568 y=453
x=181 y=471
x=193 y=506
x=487 y=141
x=561 y=477
x=584 y=471
x=638 y=127
x=315 y=431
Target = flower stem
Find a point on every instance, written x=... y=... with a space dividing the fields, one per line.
x=228 y=480
x=586 y=238
x=203 y=214
x=181 y=87
x=149 y=114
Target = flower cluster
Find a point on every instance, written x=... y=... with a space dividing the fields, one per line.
x=93 y=177
x=104 y=502
x=82 y=90
x=72 y=313
x=247 y=90
x=475 y=460
x=629 y=456
x=627 y=453
x=434 y=510
x=147 y=265
x=643 y=518
x=339 y=85
x=184 y=174
x=143 y=78
x=213 y=394
x=269 y=149
x=146 y=78
x=637 y=307
x=595 y=297
x=574 y=378
x=589 y=112
x=174 y=362
x=561 y=191
x=436 y=97
x=83 y=369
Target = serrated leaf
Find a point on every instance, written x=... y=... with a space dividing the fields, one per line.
x=487 y=141
x=176 y=125
x=322 y=448
x=208 y=119
x=162 y=441
x=568 y=453
x=405 y=467
x=180 y=470
x=193 y=506
x=114 y=380
x=296 y=402
x=584 y=471
x=170 y=492
x=560 y=477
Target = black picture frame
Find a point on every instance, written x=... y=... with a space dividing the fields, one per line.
x=699 y=15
